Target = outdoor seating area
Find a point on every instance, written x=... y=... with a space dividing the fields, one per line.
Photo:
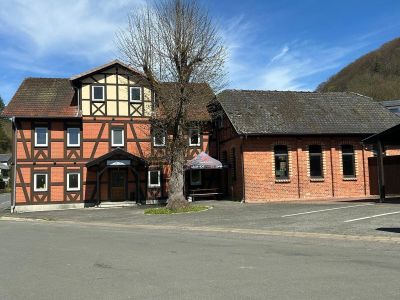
x=204 y=178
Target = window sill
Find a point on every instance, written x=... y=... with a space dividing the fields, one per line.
x=350 y=179
x=98 y=100
x=41 y=146
x=73 y=146
x=282 y=180
x=317 y=179
x=154 y=186
x=136 y=101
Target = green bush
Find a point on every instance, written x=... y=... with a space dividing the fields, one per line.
x=167 y=211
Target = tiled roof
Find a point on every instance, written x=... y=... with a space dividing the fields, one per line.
x=5 y=157
x=106 y=66
x=43 y=97
x=303 y=113
x=201 y=94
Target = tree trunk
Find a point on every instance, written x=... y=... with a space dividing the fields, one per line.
x=176 y=199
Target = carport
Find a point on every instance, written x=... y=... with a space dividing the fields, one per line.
x=388 y=137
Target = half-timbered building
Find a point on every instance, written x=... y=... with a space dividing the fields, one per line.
x=87 y=139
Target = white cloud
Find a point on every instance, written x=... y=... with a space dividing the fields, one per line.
x=291 y=68
x=85 y=28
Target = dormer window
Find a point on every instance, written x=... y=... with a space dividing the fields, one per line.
x=98 y=93
x=135 y=94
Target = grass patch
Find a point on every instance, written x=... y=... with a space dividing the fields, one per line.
x=167 y=211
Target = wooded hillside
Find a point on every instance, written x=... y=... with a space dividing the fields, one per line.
x=376 y=74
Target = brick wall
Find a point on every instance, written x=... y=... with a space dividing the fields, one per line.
x=259 y=169
x=260 y=184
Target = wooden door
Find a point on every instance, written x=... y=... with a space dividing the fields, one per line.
x=118 y=185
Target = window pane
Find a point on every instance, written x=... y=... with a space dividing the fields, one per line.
x=41 y=181
x=281 y=162
x=98 y=92
x=73 y=136
x=194 y=137
x=117 y=136
x=154 y=178
x=348 y=161
x=315 y=166
x=315 y=160
x=348 y=165
x=135 y=94
x=73 y=181
x=159 y=138
x=41 y=136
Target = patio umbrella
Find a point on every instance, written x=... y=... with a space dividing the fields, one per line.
x=203 y=161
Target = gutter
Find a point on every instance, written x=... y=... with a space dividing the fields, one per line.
x=243 y=179
x=13 y=200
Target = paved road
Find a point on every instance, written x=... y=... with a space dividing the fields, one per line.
x=50 y=260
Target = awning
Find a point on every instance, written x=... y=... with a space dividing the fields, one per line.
x=203 y=161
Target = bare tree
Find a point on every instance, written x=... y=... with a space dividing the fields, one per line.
x=174 y=41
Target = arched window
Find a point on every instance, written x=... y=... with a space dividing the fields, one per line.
x=316 y=163
x=281 y=162
x=348 y=161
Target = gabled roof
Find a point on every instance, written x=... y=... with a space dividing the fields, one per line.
x=43 y=97
x=117 y=153
x=303 y=113
x=106 y=66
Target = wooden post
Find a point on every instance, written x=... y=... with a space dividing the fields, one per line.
x=381 y=172
x=97 y=187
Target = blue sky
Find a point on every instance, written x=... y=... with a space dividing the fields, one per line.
x=275 y=45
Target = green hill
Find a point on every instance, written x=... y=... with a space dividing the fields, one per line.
x=376 y=74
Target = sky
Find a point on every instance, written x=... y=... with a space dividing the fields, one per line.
x=272 y=45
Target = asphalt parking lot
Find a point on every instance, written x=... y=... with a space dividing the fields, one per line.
x=354 y=218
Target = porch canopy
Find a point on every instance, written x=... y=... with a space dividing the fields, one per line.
x=117 y=158
x=389 y=137
x=203 y=161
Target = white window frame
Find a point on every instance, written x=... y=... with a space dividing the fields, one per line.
x=79 y=181
x=191 y=178
x=79 y=137
x=35 y=189
x=47 y=137
x=112 y=137
x=104 y=92
x=190 y=136
x=130 y=94
x=158 y=145
x=149 y=177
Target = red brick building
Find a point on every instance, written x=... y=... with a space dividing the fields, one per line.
x=296 y=145
x=88 y=139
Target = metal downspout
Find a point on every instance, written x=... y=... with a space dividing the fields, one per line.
x=13 y=201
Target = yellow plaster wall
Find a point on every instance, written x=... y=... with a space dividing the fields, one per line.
x=123 y=108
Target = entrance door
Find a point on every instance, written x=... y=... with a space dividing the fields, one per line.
x=118 y=185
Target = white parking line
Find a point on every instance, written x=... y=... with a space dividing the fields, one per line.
x=374 y=216
x=328 y=209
